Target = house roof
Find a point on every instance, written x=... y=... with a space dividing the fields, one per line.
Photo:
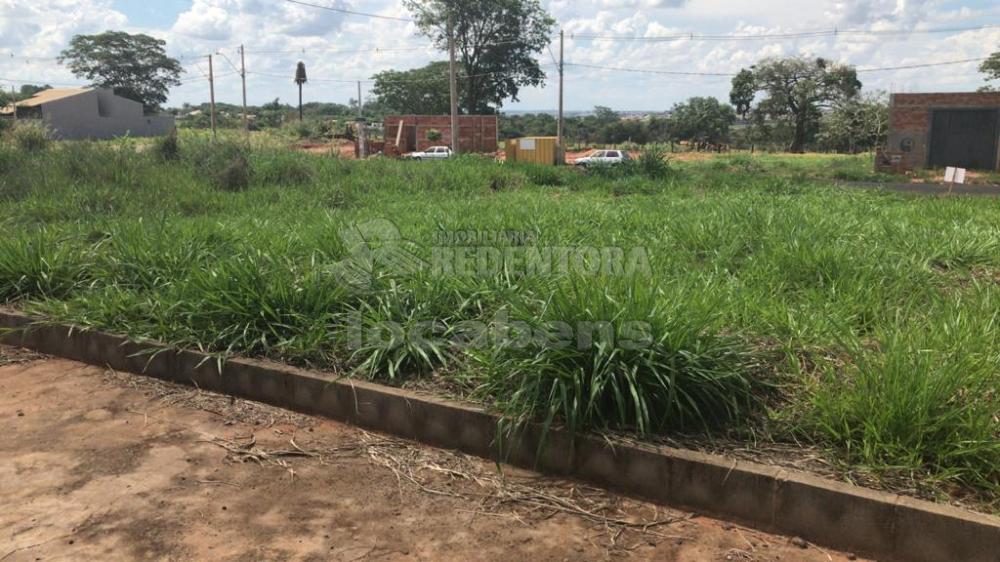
x=46 y=96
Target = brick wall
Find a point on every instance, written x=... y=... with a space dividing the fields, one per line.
x=912 y=112
x=910 y=121
x=476 y=133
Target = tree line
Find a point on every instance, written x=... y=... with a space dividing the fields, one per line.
x=793 y=103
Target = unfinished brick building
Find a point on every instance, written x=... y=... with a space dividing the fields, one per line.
x=947 y=129
x=476 y=133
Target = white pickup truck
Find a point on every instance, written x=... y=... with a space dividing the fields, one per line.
x=605 y=157
x=432 y=153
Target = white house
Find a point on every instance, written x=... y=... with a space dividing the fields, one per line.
x=90 y=113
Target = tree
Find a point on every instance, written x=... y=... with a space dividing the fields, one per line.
x=421 y=91
x=795 y=89
x=859 y=123
x=134 y=66
x=300 y=79
x=702 y=121
x=991 y=68
x=495 y=41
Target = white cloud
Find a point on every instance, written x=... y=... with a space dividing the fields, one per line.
x=42 y=28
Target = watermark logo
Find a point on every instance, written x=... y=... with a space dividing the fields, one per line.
x=376 y=248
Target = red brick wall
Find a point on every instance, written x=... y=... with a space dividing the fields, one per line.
x=476 y=133
x=910 y=121
x=911 y=112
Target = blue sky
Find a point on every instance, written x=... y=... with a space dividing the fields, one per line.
x=151 y=13
x=277 y=34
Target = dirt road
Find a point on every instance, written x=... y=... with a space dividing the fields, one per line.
x=111 y=466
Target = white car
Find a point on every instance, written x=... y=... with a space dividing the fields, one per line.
x=605 y=157
x=432 y=153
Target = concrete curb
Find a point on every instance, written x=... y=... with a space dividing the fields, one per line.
x=832 y=514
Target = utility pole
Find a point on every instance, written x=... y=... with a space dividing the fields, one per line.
x=361 y=108
x=560 y=149
x=211 y=91
x=453 y=79
x=13 y=96
x=243 y=75
x=362 y=137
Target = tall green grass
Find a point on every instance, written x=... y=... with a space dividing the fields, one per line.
x=882 y=304
x=620 y=354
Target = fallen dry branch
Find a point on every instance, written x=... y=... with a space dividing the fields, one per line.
x=435 y=472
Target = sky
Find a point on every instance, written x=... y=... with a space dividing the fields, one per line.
x=278 y=33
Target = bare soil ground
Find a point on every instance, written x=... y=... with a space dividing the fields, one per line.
x=104 y=465
x=340 y=147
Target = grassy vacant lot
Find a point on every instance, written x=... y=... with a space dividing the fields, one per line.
x=755 y=300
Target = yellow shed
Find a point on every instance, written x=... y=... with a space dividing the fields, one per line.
x=539 y=150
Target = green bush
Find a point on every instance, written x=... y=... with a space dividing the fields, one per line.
x=540 y=174
x=652 y=162
x=282 y=168
x=225 y=164
x=167 y=148
x=235 y=176
x=507 y=179
x=31 y=136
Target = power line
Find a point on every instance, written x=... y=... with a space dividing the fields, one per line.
x=334 y=50
x=730 y=75
x=349 y=12
x=922 y=65
x=229 y=62
x=42 y=82
x=397 y=81
x=339 y=51
x=767 y=36
x=650 y=70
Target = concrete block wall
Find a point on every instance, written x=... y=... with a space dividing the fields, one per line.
x=99 y=114
x=910 y=120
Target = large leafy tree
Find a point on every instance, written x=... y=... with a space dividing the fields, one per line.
x=794 y=90
x=991 y=68
x=421 y=91
x=859 y=123
x=496 y=42
x=134 y=66
x=701 y=120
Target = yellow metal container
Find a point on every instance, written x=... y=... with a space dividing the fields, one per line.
x=538 y=150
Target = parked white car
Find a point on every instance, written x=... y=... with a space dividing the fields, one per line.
x=432 y=153
x=603 y=157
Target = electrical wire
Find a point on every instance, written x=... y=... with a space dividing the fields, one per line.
x=348 y=12
x=921 y=65
x=772 y=36
x=397 y=81
x=729 y=75
x=43 y=82
x=649 y=70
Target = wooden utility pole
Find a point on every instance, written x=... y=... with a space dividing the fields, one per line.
x=243 y=75
x=13 y=96
x=453 y=79
x=560 y=149
x=211 y=92
x=362 y=136
x=361 y=107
